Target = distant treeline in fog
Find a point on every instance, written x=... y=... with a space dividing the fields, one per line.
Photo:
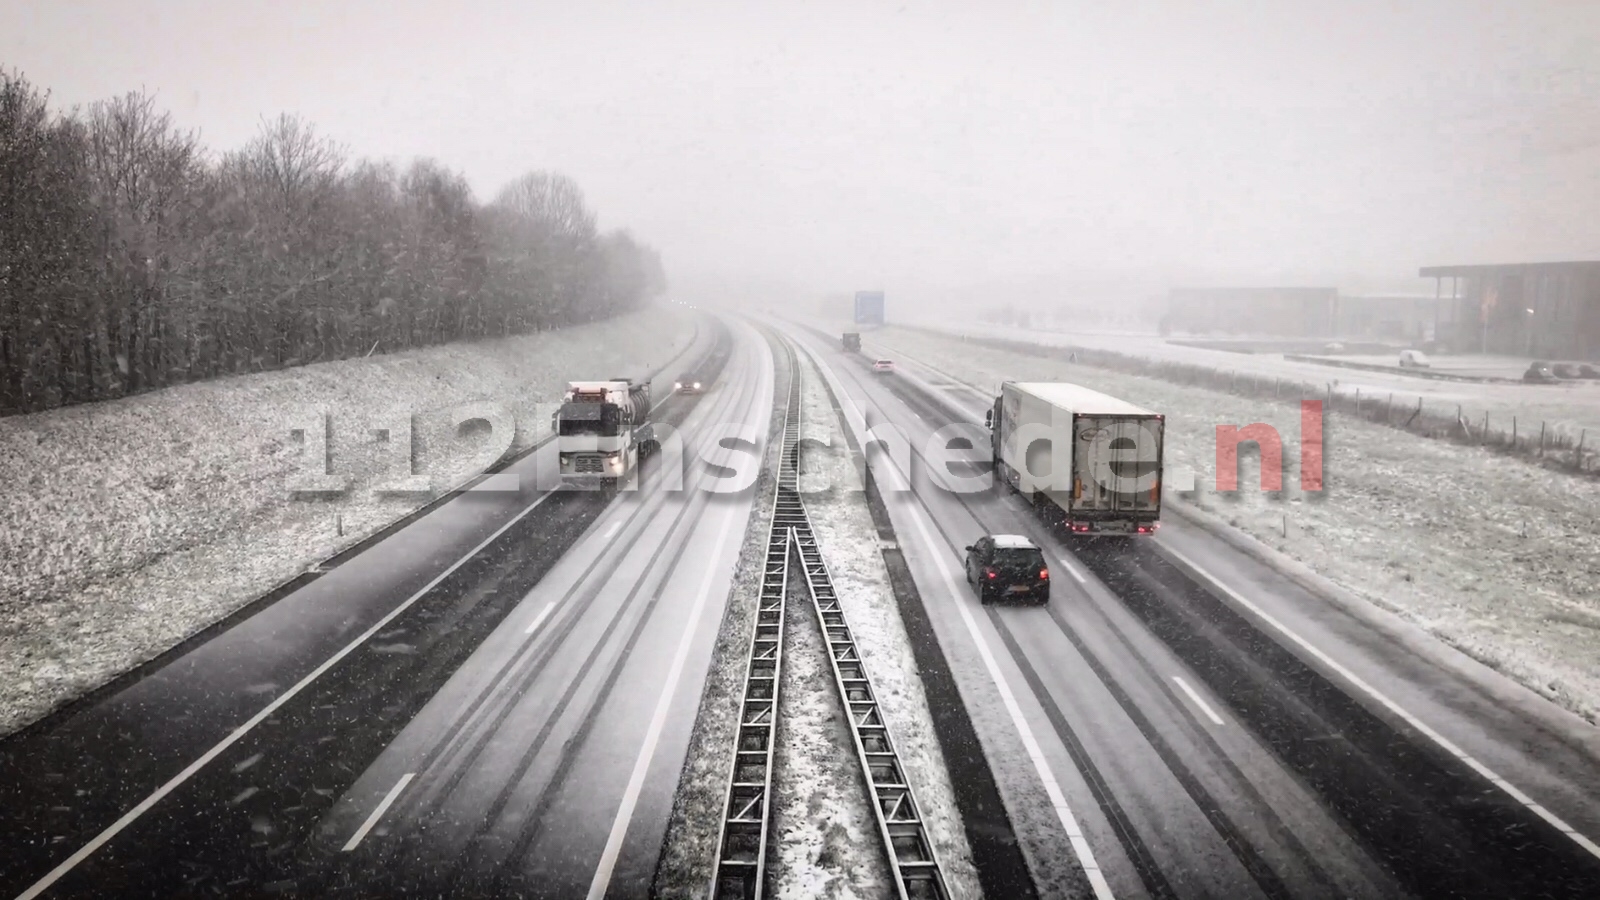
x=132 y=258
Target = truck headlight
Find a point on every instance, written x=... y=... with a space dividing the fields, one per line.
x=677 y=385
x=697 y=385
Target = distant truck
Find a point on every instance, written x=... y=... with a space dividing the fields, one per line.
x=603 y=431
x=1110 y=453
x=852 y=342
x=869 y=308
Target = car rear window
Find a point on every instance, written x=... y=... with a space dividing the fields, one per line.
x=1018 y=558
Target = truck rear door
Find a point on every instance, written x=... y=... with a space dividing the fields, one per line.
x=1116 y=466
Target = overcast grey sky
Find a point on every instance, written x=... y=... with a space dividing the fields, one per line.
x=927 y=147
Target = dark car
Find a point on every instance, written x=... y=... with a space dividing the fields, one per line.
x=1008 y=565
x=1587 y=371
x=690 y=383
x=1539 y=373
x=1566 y=370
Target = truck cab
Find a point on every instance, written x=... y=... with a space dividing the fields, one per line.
x=603 y=431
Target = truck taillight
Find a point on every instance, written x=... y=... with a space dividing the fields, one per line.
x=992 y=574
x=1077 y=488
x=1155 y=491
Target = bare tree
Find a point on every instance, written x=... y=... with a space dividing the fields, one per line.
x=129 y=260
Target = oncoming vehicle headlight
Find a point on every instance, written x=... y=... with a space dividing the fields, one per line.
x=677 y=385
x=697 y=385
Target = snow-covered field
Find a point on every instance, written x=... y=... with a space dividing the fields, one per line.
x=129 y=525
x=1570 y=407
x=849 y=543
x=1496 y=556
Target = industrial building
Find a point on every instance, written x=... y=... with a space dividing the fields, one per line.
x=1549 y=310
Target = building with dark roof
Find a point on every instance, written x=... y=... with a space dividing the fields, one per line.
x=1549 y=310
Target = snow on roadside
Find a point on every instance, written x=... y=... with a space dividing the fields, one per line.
x=825 y=841
x=1570 y=407
x=1495 y=556
x=848 y=540
x=130 y=525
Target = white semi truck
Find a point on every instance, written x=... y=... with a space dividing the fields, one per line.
x=603 y=431
x=1085 y=460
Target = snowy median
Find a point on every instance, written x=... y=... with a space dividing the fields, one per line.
x=130 y=525
x=1494 y=555
x=822 y=763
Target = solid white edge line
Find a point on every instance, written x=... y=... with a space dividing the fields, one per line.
x=1058 y=800
x=1073 y=571
x=1198 y=700
x=383 y=807
x=1490 y=775
x=647 y=752
x=128 y=818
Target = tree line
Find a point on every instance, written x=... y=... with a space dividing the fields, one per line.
x=131 y=258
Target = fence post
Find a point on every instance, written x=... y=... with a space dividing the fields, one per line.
x=1541 y=439
x=1388 y=409
x=1415 y=414
x=1358 y=401
x=1513 y=432
x=1485 y=435
x=1577 y=455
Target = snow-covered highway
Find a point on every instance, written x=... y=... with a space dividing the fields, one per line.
x=1198 y=749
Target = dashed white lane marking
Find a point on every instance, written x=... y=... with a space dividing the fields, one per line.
x=612 y=530
x=1198 y=700
x=383 y=807
x=1073 y=571
x=1069 y=822
x=539 y=619
x=132 y=815
x=641 y=766
x=1516 y=794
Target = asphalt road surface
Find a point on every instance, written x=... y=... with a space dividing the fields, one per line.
x=1146 y=731
x=537 y=653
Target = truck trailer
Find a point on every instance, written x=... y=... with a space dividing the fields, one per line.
x=851 y=341
x=1085 y=460
x=603 y=431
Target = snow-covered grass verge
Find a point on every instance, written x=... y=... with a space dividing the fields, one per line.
x=1497 y=557
x=825 y=841
x=848 y=540
x=130 y=525
x=1558 y=423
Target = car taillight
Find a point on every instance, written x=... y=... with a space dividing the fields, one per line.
x=1044 y=574
x=991 y=573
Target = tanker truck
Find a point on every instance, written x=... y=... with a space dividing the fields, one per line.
x=603 y=431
